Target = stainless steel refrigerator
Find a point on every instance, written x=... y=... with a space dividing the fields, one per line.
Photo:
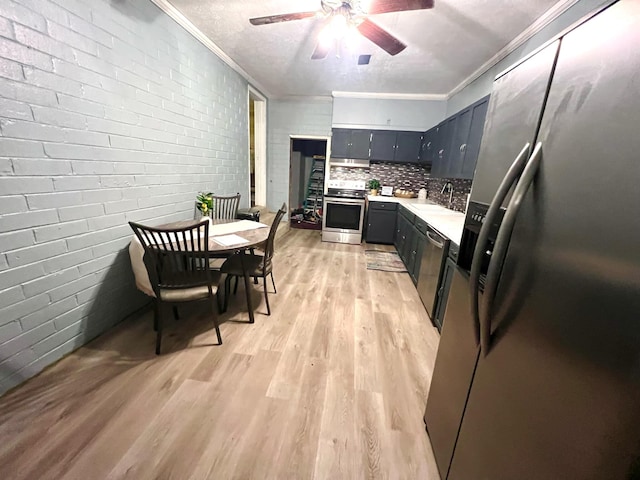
x=538 y=369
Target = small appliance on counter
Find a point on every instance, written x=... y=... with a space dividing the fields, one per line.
x=422 y=194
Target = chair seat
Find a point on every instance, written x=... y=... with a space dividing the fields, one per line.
x=180 y=289
x=253 y=265
x=186 y=294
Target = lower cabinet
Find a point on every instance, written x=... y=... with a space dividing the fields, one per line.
x=388 y=222
x=418 y=241
x=445 y=286
x=410 y=241
x=381 y=222
x=404 y=233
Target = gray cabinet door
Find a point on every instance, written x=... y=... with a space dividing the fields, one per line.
x=438 y=166
x=348 y=143
x=448 y=141
x=478 y=114
x=404 y=234
x=360 y=141
x=383 y=145
x=459 y=143
x=340 y=140
x=424 y=147
x=408 y=147
x=419 y=242
x=381 y=226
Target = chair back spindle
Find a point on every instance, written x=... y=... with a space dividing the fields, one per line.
x=269 y=247
x=225 y=207
x=175 y=258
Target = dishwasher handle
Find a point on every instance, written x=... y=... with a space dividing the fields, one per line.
x=434 y=241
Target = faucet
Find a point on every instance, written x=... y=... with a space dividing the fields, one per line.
x=448 y=187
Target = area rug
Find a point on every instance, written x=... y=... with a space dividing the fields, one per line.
x=385 y=261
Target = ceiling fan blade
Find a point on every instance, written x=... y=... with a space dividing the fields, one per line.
x=381 y=37
x=285 y=17
x=386 y=6
x=321 y=51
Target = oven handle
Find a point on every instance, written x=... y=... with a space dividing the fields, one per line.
x=344 y=201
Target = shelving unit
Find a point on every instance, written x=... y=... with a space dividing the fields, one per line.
x=310 y=216
x=315 y=186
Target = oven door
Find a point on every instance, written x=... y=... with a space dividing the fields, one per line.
x=342 y=220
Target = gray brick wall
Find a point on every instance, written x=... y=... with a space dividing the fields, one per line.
x=109 y=112
x=286 y=118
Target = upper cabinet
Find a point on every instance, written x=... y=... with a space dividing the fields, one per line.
x=408 y=147
x=429 y=148
x=350 y=143
x=383 y=145
x=478 y=115
x=450 y=148
x=457 y=142
x=393 y=146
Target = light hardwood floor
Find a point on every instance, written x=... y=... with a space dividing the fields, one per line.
x=331 y=386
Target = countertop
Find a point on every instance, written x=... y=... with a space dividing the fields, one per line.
x=448 y=222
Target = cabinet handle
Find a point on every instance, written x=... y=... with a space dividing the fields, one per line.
x=463 y=147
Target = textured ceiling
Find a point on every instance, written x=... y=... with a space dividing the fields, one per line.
x=444 y=45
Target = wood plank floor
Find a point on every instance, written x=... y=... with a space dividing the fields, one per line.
x=332 y=385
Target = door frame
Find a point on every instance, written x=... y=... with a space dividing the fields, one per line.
x=260 y=142
x=327 y=138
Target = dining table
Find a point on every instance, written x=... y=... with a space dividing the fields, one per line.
x=226 y=237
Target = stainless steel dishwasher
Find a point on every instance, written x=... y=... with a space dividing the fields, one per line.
x=434 y=256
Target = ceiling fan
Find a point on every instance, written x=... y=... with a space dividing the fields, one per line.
x=348 y=15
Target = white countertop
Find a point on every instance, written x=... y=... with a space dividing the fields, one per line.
x=448 y=222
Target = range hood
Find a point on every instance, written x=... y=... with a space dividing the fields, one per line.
x=349 y=162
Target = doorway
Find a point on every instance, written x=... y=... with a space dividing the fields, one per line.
x=307 y=162
x=257 y=105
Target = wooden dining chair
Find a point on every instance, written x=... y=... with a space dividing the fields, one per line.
x=255 y=265
x=225 y=208
x=177 y=261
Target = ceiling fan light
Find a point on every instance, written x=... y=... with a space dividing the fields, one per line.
x=338 y=26
x=325 y=37
x=351 y=37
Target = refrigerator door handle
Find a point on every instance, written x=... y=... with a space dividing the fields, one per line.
x=508 y=181
x=502 y=245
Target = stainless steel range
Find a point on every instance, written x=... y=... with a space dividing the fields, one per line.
x=343 y=211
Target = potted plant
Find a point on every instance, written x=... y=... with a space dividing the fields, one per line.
x=204 y=203
x=374 y=186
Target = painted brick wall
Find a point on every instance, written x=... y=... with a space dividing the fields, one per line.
x=285 y=118
x=109 y=112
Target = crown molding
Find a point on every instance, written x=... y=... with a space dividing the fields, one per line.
x=390 y=96
x=185 y=23
x=545 y=19
x=549 y=16
x=303 y=98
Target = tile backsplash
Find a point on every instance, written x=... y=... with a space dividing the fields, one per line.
x=461 y=188
x=409 y=176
